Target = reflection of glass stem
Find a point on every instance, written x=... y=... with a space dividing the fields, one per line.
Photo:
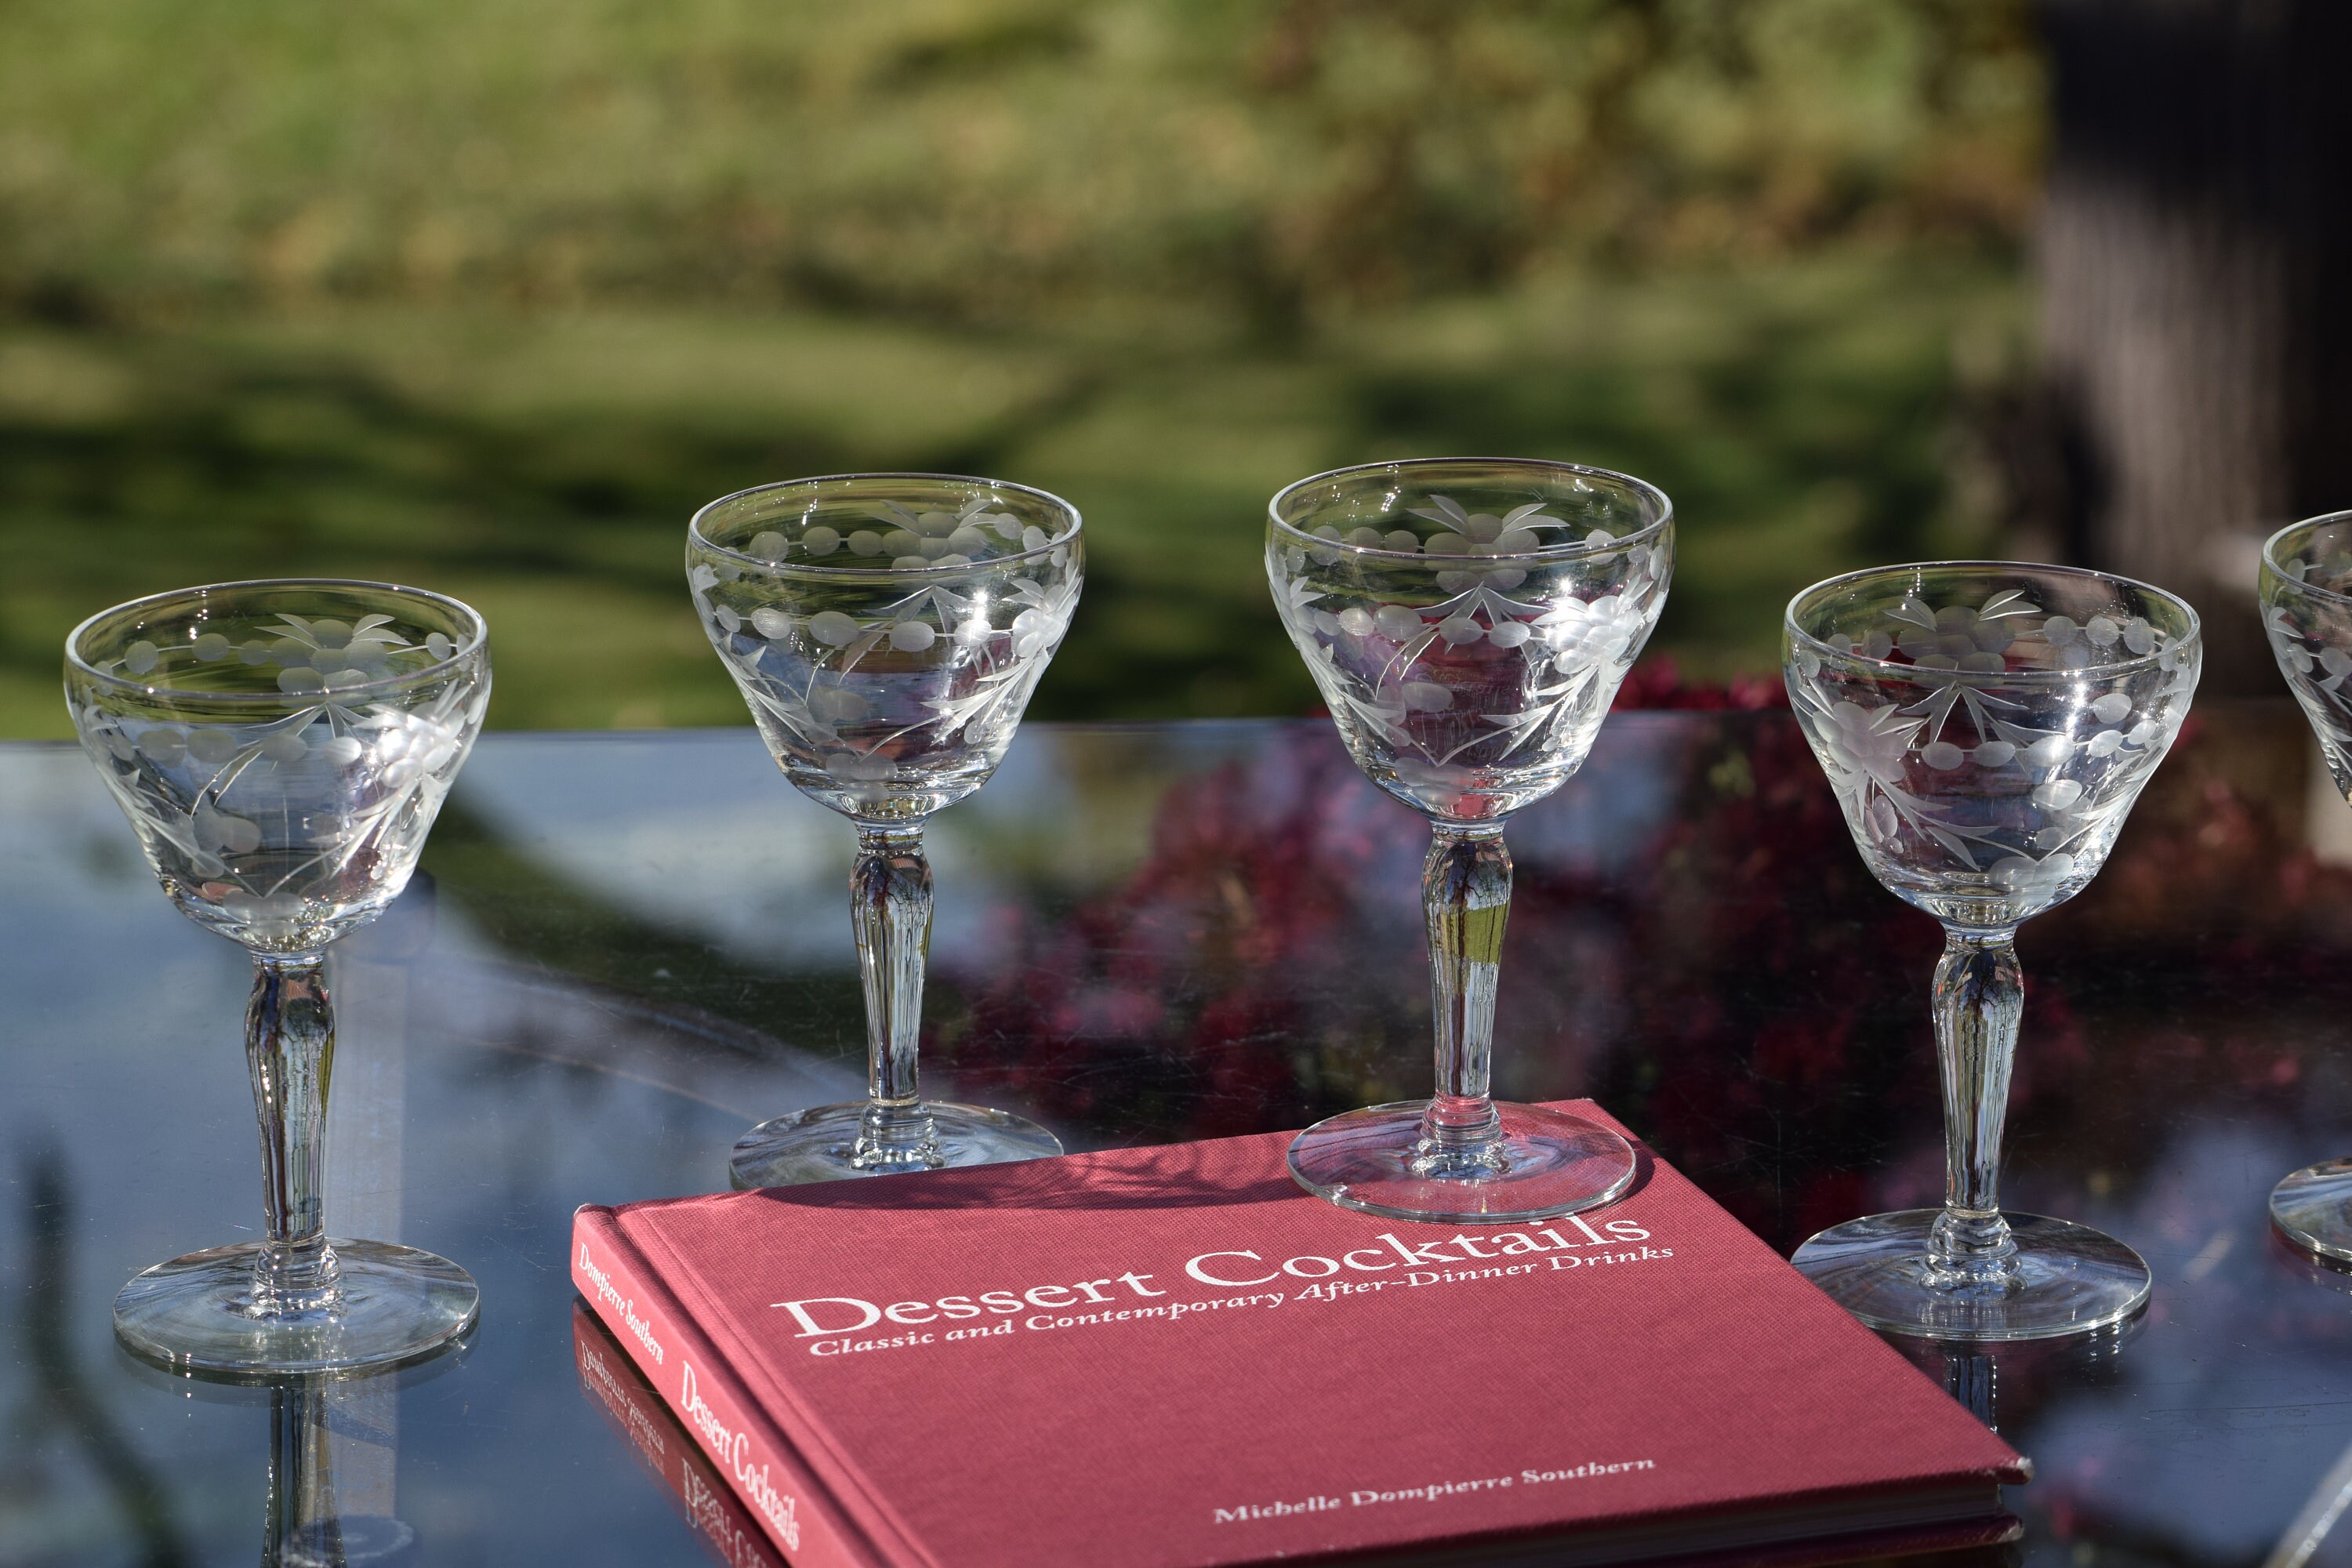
x=1973 y=1378
x=331 y=1464
x=1465 y=889
x=303 y=1525
x=1980 y=995
x=891 y=906
x=289 y=1047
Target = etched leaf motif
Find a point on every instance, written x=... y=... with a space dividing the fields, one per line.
x=1446 y=510
x=1386 y=721
x=1915 y=611
x=1937 y=706
x=1532 y=515
x=1531 y=723
x=958 y=713
x=2009 y=602
x=938 y=601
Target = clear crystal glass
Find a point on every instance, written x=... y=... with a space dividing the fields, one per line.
x=1467 y=622
x=281 y=748
x=888 y=630
x=1987 y=727
x=2306 y=601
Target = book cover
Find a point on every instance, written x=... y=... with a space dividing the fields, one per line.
x=1169 y=1357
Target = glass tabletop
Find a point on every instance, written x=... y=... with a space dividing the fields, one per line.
x=625 y=949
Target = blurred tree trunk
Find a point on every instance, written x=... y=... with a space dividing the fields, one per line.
x=2197 y=333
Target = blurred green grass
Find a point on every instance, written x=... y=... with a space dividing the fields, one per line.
x=1804 y=416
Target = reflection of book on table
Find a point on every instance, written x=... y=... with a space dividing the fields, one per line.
x=615 y=1387
x=1164 y=1357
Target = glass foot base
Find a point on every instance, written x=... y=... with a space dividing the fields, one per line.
x=347 y=1540
x=2070 y=1279
x=1547 y=1164
x=399 y=1304
x=821 y=1144
x=2313 y=1209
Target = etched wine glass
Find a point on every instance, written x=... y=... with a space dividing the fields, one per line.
x=888 y=630
x=2306 y=601
x=281 y=748
x=1986 y=727
x=1467 y=621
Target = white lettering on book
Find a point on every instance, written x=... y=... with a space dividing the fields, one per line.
x=851 y=1347
x=1427 y=1491
x=1597 y=1259
x=1248 y=1511
x=850 y=1315
x=1587 y=1470
x=837 y=1324
x=733 y=1449
x=639 y=1329
x=1172 y=1309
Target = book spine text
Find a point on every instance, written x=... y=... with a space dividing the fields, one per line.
x=677 y=1359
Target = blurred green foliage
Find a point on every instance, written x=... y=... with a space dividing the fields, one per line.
x=490 y=295
x=1206 y=163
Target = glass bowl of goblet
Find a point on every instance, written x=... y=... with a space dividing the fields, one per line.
x=1987 y=727
x=887 y=631
x=281 y=748
x=1467 y=622
x=2306 y=602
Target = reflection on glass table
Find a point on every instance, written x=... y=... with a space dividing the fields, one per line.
x=624 y=951
x=333 y=1463
x=611 y=1382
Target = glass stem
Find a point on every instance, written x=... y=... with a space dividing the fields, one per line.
x=891 y=906
x=289 y=1047
x=1980 y=995
x=1465 y=891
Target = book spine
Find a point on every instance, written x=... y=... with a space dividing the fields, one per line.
x=670 y=1456
x=749 y=1455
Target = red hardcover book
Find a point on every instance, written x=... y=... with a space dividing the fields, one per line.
x=1172 y=1358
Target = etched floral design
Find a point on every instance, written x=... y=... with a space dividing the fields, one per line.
x=2308 y=616
x=2309 y=661
x=281 y=817
x=1473 y=687
x=892 y=688
x=1970 y=767
x=1588 y=635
